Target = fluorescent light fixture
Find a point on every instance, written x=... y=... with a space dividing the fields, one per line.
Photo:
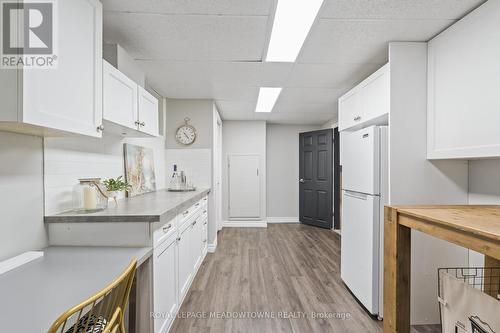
x=267 y=99
x=292 y=22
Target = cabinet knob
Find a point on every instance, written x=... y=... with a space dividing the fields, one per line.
x=178 y=239
x=205 y=223
x=137 y=122
x=205 y=211
x=100 y=128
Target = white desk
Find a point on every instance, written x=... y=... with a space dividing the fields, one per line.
x=34 y=295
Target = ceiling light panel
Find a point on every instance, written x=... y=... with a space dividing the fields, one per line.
x=267 y=99
x=292 y=22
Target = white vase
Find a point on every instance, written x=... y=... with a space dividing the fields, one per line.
x=114 y=195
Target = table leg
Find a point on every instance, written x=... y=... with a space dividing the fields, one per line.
x=491 y=279
x=397 y=267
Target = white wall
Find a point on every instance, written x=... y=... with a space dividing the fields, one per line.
x=69 y=159
x=283 y=171
x=243 y=137
x=200 y=113
x=414 y=180
x=21 y=194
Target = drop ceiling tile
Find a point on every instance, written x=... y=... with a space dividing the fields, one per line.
x=291 y=96
x=330 y=75
x=299 y=118
x=197 y=7
x=397 y=9
x=311 y=108
x=187 y=37
x=228 y=115
x=242 y=107
x=363 y=41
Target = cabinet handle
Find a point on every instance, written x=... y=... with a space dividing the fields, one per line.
x=204 y=241
x=205 y=199
x=197 y=204
x=167 y=227
x=205 y=223
x=178 y=239
x=143 y=124
x=358 y=118
x=185 y=213
x=204 y=211
x=137 y=122
x=194 y=223
x=100 y=128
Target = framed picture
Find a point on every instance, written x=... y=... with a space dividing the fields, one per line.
x=139 y=169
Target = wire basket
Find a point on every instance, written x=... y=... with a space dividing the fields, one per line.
x=486 y=279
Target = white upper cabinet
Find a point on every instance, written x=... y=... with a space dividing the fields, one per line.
x=65 y=99
x=119 y=98
x=128 y=108
x=366 y=104
x=463 y=87
x=148 y=113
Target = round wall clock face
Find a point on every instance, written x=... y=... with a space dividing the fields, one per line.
x=186 y=134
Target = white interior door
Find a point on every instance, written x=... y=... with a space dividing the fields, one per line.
x=244 y=186
x=359 y=265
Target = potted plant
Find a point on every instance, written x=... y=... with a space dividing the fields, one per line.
x=115 y=186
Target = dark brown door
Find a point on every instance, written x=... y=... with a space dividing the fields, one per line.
x=316 y=178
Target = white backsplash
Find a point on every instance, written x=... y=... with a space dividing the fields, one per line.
x=69 y=159
x=196 y=163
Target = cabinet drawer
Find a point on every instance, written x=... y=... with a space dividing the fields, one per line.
x=191 y=211
x=164 y=232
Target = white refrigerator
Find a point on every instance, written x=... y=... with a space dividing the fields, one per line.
x=364 y=193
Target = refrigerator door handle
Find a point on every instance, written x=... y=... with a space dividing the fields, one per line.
x=356 y=195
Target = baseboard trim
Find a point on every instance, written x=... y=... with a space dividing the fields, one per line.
x=245 y=224
x=212 y=247
x=290 y=219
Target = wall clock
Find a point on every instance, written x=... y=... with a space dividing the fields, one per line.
x=186 y=134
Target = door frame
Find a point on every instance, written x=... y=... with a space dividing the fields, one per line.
x=337 y=186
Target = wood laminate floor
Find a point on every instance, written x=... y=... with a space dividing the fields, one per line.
x=285 y=270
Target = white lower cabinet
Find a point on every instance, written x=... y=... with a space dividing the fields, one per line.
x=179 y=249
x=185 y=259
x=166 y=301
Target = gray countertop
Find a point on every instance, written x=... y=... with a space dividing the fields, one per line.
x=35 y=294
x=152 y=207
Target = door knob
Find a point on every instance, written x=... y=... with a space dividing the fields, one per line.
x=301 y=180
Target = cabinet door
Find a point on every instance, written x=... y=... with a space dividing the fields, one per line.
x=376 y=96
x=119 y=97
x=463 y=79
x=148 y=113
x=185 y=260
x=197 y=243
x=69 y=97
x=349 y=110
x=165 y=284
